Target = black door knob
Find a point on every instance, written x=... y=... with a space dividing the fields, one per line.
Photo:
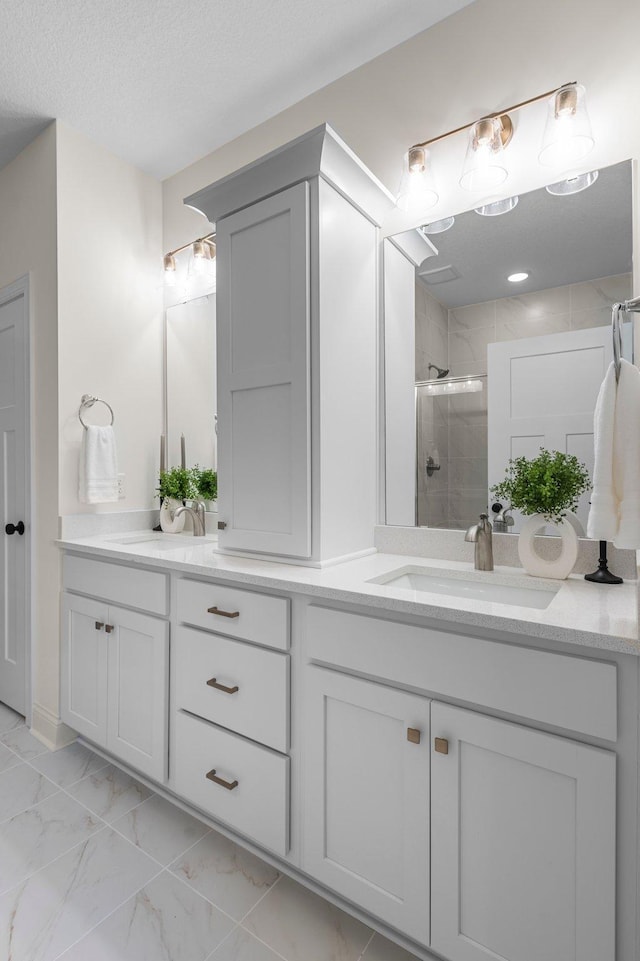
x=12 y=528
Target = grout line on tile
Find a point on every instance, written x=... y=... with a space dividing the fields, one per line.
x=261 y=899
x=134 y=894
x=200 y=895
x=210 y=957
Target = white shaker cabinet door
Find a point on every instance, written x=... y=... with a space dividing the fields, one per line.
x=367 y=797
x=83 y=681
x=138 y=690
x=263 y=376
x=523 y=843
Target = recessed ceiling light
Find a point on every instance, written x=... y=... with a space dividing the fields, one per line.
x=517 y=277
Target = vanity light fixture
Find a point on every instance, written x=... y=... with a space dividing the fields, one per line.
x=567 y=139
x=204 y=252
x=567 y=134
x=518 y=277
x=416 y=191
x=573 y=185
x=169 y=270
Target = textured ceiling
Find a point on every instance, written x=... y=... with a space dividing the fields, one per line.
x=164 y=82
x=557 y=240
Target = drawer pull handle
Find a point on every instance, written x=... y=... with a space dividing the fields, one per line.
x=441 y=745
x=216 y=610
x=213 y=682
x=211 y=776
x=99 y=625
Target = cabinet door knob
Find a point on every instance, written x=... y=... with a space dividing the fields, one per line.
x=108 y=628
x=213 y=682
x=216 y=610
x=18 y=528
x=413 y=735
x=441 y=745
x=99 y=625
x=211 y=776
x=222 y=525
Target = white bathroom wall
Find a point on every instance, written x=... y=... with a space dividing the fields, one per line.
x=28 y=246
x=110 y=313
x=491 y=54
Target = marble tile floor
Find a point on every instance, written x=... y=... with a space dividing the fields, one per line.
x=95 y=867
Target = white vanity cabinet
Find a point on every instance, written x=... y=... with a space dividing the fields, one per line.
x=521 y=821
x=115 y=667
x=297 y=352
x=367 y=797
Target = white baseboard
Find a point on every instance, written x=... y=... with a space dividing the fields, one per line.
x=49 y=729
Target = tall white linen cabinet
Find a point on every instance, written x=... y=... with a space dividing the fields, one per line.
x=297 y=314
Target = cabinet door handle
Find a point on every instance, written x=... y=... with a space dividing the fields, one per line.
x=216 y=610
x=413 y=735
x=211 y=776
x=108 y=628
x=441 y=745
x=99 y=625
x=213 y=682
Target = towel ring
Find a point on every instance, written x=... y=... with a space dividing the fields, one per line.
x=88 y=401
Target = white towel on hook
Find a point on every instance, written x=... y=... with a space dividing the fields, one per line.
x=98 y=466
x=626 y=457
x=605 y=505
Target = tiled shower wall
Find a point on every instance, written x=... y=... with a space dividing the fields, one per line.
x=457 y=425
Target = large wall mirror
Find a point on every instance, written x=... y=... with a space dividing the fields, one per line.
x=190 y=382
x=497 y=338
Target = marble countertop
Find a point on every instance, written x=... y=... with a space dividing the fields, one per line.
x=580 y=613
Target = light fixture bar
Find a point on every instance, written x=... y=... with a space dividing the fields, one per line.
x=207 y=239
x=498 y=113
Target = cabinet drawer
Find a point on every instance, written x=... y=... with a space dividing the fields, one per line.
x=146 y=590
x=258 y=804
x=234 y=612
x=252 y=696
x=565 y=691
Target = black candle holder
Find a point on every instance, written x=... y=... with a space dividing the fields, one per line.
x=603 y=575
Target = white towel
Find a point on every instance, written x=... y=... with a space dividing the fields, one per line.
x=603 y=516
x=615 y=499
x=98 y=466
x=626 y=457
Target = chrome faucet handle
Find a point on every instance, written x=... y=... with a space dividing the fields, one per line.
x=472 y=534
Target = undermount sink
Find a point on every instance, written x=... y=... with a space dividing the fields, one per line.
x=422 y=580
x=159 y=542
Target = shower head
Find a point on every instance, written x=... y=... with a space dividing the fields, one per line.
x=440 y=372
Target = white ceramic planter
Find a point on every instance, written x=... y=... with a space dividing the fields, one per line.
x=168 y=522
x=539 y=566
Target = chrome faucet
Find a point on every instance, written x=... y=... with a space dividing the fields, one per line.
x=197 y=513
x=480 y=535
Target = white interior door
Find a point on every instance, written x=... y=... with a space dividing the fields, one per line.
x=542 y=392
x=14 y=495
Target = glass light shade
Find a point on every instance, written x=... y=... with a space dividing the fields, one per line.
x=170 y=272
x=484 y=166
x=567 y=134
x=438 y=226
x=572 y=185
x=497 y=207
x=416 y=191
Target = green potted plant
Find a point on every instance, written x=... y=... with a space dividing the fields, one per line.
x=174 y=488
x=546 y=489
x=206 y=483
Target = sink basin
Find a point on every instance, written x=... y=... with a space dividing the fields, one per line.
x=421 y=580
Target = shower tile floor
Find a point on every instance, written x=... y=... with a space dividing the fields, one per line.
x=96 y=867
